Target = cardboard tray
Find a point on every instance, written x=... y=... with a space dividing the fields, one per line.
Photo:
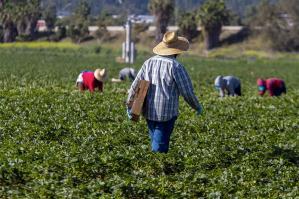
x=139 y=97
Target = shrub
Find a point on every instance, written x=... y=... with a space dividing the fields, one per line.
x=188 y=25
x=278 y=23
x=138 y=29
x=78 y=32
x=61 y=32
x=1 y=34
x=23 y=37
x=102 y=33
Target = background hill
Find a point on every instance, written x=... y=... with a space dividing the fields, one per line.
x=140 y=6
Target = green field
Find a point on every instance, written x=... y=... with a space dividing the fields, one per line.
x=56 y=142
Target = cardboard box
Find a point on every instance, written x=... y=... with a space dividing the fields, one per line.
x=137 y=104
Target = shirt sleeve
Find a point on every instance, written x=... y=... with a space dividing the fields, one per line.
x=140 y=76
x=185 y=87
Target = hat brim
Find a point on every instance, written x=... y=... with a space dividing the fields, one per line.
x=99 y=76
x=177 y=47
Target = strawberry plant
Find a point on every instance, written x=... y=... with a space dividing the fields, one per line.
x=56 y=142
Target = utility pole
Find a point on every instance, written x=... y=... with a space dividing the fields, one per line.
x=128 y=47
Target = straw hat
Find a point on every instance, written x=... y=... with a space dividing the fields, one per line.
x=100 y=74
x=171 y=44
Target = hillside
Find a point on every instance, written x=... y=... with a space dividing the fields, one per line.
x=140 y=6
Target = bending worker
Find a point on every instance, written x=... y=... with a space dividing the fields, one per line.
x=91 y=80
x=229 y=84
x=127 y=73
x=168 y=79
x=124 y=74
x=275 y=86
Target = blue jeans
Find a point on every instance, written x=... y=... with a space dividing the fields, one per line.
x=160 y=134
x=279 y=91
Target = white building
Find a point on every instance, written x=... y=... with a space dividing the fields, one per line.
x=41 y=26
x=142 y=19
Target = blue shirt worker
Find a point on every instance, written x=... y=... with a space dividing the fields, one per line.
x=127 y=73
x=229 y=84
x=168 y=79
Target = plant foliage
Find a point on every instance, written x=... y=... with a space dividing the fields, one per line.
x=56 y=142
x=278 y=23
x=188 y=25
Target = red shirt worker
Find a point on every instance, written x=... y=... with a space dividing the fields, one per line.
x=275 y=86
x=91 y=80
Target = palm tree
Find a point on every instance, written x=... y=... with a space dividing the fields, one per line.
x=32 y=15
x=162 y=10
x=83 y=10
x=188 y=25
x=18 y=17
x=212 y=15
x=7 y=20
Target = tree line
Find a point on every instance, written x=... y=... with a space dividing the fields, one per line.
x=276 y=21
x=141 y=6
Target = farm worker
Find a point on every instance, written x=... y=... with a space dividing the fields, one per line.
x=229 y=84
x=275 y=86
x=91 y=80
x=124 y=74
x=127 y=73
x=168 y=79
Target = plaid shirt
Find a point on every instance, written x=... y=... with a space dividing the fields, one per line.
x=168 y=80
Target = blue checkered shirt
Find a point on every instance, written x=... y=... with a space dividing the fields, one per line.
x=168 y=79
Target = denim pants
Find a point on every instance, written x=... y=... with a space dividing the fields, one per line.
x=279 y=91
x=160 y=134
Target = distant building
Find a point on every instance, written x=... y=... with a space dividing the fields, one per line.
x=142 y=19
x=61 y=14
x=115 y=16
x=41 y=26
x=288 y=19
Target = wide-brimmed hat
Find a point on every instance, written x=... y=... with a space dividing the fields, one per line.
x=171 y=44
x=100 y=74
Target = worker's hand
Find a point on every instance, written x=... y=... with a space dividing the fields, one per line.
x=129 y=113
x=199 y=110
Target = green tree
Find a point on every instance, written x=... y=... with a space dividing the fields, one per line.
x=188 y=25
x=19 y=17
x=78 y=29
x=7 y=20
x=31 y=13
x=278 y=23
x=1 y=33
x=49 y=15
x=212 y=15
x=163 y=11
x=83 y=10
x=102 y=33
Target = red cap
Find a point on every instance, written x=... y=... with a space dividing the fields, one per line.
x=261 y=82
